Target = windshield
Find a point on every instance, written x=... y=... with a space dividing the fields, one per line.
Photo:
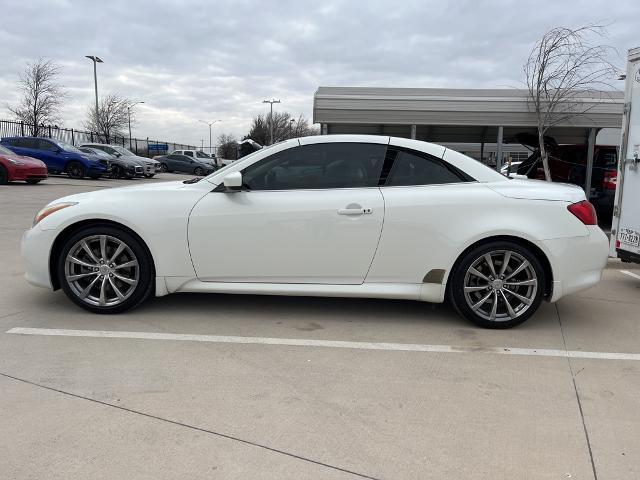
x=5 y=151
x=123 y=151
x=66 y=146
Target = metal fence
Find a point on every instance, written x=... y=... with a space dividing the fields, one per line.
x=141 y=147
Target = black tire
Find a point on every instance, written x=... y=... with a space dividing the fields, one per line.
x=4 y=176
x=116 y=172
x=75 y=170
x=146 y=277
x=496 y=290
x=164 y=168
x=198 y=171
x=33 y=181
x=149 y=175
x=95 y=176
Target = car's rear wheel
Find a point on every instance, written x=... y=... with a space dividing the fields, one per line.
x=75 y=170
x=4 y=176
x=198 y=171
x=105 y=269
x=497 y=285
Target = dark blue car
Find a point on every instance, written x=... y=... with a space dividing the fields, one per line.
x=60 y=157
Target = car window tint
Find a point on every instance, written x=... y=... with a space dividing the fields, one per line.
x=188 y=154
x=45 y=145
x=322 y=165
x=29 y=143
x=417 y=168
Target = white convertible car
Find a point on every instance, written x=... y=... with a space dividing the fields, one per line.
x=340 y=215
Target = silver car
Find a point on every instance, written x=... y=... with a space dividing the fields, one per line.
x=149 y=166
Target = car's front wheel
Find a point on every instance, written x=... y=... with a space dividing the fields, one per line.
x=497 y=285
x=4 y=176
x=163 y=168
x=105 y=269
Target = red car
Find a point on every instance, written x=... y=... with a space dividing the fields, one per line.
x=16 y=167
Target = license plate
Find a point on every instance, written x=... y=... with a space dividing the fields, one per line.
x=629 y=237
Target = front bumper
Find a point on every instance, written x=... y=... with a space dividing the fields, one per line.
x=577 y=262
x=29 y=173
x=35 y=250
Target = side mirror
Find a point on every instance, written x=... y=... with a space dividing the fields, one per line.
x=233 y=181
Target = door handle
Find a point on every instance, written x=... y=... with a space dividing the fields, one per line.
x=355 y=211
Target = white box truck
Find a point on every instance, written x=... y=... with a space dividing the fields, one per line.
x=625 y=229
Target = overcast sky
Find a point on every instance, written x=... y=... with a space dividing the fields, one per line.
x=218 y=60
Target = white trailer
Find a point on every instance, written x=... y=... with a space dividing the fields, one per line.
x=625 y=230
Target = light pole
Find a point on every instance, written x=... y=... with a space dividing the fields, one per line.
x=271 y=102
x=210 y=125
x=95 y=61
x=129 y=107
x=291 y=127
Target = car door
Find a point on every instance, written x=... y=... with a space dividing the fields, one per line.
x=308 y=214
x=427 y=204
x=51 y=154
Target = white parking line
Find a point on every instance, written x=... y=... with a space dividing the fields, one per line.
x=301 y=342
x=631 y=274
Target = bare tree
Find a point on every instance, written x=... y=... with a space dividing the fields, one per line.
x=285 y=126
x=42 y=95
x=227 y=146
x=112 y=117
x=562 y=67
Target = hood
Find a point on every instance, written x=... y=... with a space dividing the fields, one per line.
x=538 y=190
x=26 y=160
x=103 y=194
x=531 y=140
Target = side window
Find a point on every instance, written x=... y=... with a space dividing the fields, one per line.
x=188 y=153
x=318 y=166
x=45 y=145
x=28 y=143
x=417 y=168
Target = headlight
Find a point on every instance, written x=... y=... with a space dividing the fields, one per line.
x=46 y=211
x=15 y=162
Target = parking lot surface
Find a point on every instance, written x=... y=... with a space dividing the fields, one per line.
x=225 y=386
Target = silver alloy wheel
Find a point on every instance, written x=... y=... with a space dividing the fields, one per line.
x=102 y=270
x=500 y=285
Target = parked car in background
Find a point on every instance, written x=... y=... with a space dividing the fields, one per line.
x=121 y=167
x=568 y=164
x=58 y=156
x=14 y=167
x=185 y=164
x=150 y=167
x=198 y=155
x=337 y=215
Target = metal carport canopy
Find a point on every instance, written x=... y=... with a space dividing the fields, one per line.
x=454 y=115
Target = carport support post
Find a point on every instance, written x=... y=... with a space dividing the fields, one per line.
x=323 y=129
x=499 y=148
x=413 y=132
x=590 y=149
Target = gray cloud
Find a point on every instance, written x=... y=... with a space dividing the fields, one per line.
x=207 y=60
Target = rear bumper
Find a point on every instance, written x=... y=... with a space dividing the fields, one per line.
x=577 y=262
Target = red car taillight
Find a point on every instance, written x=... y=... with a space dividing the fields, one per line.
x=610 y=180
x=585 y=212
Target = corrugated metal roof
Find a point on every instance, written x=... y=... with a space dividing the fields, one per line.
x=454 y=107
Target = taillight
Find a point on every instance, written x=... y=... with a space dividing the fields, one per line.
x=610 y=180
x=585 y=212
